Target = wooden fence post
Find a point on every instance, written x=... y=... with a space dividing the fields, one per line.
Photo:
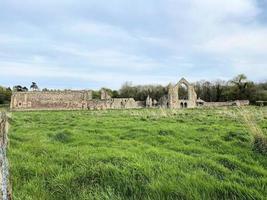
x=5 y=193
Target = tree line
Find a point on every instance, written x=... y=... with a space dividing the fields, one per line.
x=238 y=88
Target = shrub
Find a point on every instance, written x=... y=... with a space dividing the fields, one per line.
x=260 y=144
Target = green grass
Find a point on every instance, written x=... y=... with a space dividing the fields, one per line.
x=136 y=154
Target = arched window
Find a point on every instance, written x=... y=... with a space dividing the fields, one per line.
x=183 y=92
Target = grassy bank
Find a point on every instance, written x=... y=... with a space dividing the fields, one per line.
x=137 y=154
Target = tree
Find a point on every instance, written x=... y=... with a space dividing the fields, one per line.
x=241 y=83
x=140 y=92
x=96 y=95
x=45 y=90
x=5 y=95
x=17 y=88
x=2 y=98
x=34 y=86
x=24 y=89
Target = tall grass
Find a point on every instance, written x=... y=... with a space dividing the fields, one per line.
x=250 y=118
x=136 y=154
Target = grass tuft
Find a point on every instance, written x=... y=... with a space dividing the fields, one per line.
x=260 y=144
x=65 y=136
x=240 y=136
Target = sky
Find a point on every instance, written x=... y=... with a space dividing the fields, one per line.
x=78 y=44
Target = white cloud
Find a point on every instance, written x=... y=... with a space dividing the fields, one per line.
x=99 y=29
x=140 y=41
x=112 y=59
x=250 y=40
x=110 y=79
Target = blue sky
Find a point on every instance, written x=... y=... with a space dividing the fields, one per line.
x=81 y=44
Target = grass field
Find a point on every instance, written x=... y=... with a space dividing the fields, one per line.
x=137 y=154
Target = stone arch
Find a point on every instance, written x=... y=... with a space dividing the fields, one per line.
x=181 y=84
x=173 y=95
x=183 y=91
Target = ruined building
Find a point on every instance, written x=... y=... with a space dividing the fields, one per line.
x=68 y=100
x=181 y=95
x=50 y=100
x=174 y=98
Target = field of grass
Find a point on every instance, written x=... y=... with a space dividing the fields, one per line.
x=137 y=154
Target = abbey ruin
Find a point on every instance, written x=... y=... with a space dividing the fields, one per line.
x=82 y=100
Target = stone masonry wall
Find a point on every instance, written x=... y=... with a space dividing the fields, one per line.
x=51 y=100
x=67 y=100
x=227 y=103
x=116 y=103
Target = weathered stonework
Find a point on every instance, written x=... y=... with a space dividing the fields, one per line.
x=82 y=100
x=226 y=103
x=149 y=102
x=104 y=95
x=116 y=103
x=173 y=96
x=163 y=102
x=50 y=100
x=67 y=100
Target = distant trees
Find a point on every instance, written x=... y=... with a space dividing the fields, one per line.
x=5 y=95
x=96 y=94
x=45 y=90
x=112 y=93
x=241 y=86
x=34 y=86
x=19 y=88
x=238 y=88
x=140 y=92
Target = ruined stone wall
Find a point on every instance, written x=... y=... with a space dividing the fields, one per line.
x=219 y=104
x=104 y=95
x=173 y=96
x=227 y=103
x=173 y=99
x=51 y=100
x=116 y=103
x=67 y=100
x=82 y=100
x=242 y=102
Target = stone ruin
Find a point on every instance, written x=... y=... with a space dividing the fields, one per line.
x=149 y=102
x=82 y=100
x=175 y=102
x=104 y=94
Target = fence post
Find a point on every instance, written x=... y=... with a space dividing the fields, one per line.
x=4 y=174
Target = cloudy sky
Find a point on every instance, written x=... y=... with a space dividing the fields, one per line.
x=95 y=43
